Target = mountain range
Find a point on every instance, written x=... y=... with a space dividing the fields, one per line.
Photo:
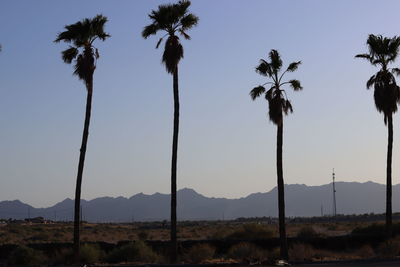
x=301 y=201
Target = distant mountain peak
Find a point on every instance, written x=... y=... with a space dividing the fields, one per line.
x=301 y=200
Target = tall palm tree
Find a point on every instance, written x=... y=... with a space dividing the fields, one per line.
x=173 y=19
x=381 y=52
x=84 y=55
x=279 y=105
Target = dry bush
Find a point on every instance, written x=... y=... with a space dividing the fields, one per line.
x=143 y=235
x=63 y=257
x=307 y=232
x=133 y=252
x=274 y=254
x=301 y=252
x=365 y=252
x=247 y=252
x=251 y=231
x=26 y=256
x=90 y=254
x=389 y=248
x=221 y=233
x=199 y=253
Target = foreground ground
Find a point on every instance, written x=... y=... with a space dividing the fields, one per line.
x=24 y=233
x=250 y=241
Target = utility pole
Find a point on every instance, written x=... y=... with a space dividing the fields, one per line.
x=334 y=193
x=322 y=211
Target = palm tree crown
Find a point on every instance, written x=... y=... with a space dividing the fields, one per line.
x=81 y=36
x=382 y=52
x=275 y=95
x=171 y=18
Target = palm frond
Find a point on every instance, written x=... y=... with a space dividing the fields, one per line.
x=293 y=66
x=295 y=84
x=171 y=18
x=396 y=71
x=184 y=34
x=264 y=68
x=150 y=29
x=96 y=26
x=173 y=53
x=256 y=92
x=69 y=54
x=371 y=81
x=278 y=104
x=287 y=107
x=270 y=93
x=159 y=42
x=366 y=56
x=276 y=61
x=82 y=34
x=275 y=110
x=188 y=21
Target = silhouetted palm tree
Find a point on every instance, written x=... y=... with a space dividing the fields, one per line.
x=278 y=105
x=81 y=36
x=382 y=52
x=172 y=19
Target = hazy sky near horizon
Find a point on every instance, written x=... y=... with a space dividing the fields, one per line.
x=227 y=144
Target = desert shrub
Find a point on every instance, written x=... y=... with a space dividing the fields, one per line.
x=274 y=254
x=26 y=256
x=251 y=231
x=332 y=227
x=58 y=234
x=247 y=252
x=221 y=233
x=301 y=252
x=376 y=230
x=14 y=228
x=365 y=252
x=389 y=248
x=63 y=257
x=90 y=253
x=143 y=235
x=373 y=229
x=307 y=232
x=43 y=236
x=137 y=251
x=199 y=253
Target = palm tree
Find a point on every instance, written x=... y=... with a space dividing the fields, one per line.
x=381 y=52
x=172 y=19
x=279 y=105
x=81 y=37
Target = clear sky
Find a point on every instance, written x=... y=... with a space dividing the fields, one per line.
x=227 y=144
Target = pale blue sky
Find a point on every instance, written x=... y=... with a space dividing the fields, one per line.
x=227 y=145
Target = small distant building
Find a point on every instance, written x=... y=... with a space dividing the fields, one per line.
x=36 y=220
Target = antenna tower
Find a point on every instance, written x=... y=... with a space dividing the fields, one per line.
x=334 y=193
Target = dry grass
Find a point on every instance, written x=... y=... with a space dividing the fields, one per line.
x=113 y=233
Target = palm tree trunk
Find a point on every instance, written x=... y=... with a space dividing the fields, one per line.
x=85 y=135
x=281 y=194
x=174 y=245
x=389 y=178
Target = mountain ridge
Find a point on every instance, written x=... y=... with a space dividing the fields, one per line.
x=301 y=200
